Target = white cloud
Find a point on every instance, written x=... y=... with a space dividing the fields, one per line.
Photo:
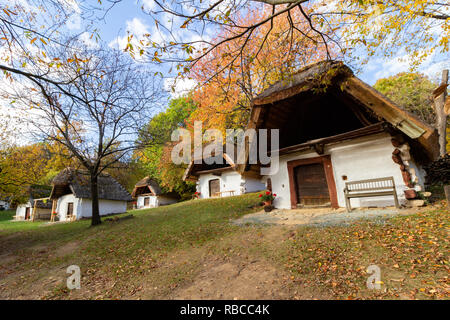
x=135 y=27
x=149 y=4
x=89 y=40
x=179 y=87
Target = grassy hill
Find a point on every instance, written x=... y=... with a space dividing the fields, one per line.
x=191 y=250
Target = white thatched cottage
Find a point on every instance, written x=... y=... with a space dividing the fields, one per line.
x=222 y=180
x=71 y=195
x=336 y=129
x=37 y=205
x=148 y=194
x=4 y=204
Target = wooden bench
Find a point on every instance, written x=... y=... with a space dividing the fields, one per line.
x=223 y=193
x=370 y=188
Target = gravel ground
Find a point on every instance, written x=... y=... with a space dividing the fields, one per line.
x=319 y=217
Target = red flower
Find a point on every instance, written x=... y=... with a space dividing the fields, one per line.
x=274 y=194
x=260 y=195
x=267 y=192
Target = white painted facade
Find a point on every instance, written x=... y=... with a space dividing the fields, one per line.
x=358 y=159
x=154 y=201
x=82 y=207
x=20 y=210
x=4 y=204
x=229 y=181
x=40 y=212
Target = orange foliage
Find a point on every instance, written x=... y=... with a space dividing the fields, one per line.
x=231 y=76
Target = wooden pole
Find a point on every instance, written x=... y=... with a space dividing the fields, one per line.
x=447 y=195
x=441 y=116
x=34 y=211
x=52 y=217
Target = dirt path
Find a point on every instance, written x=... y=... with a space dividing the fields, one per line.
x=238 y=280
x=228 y=268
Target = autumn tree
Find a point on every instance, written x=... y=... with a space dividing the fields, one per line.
x=413 y=91
x=30 y=30
x=94 y=108
x=230 y=77
x=419 y=27
x=156 y=138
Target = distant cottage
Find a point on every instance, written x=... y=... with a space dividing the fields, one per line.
x=71 y=195
x=148 y=194
x=222 y=180
x=37 y=204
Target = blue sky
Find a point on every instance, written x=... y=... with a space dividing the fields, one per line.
x=128 y=15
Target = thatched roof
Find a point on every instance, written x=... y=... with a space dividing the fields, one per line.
x=146 y=186
x=194 y=169
x=39 y=191
x=337 y=79
x=77 y=182
x=43 y=204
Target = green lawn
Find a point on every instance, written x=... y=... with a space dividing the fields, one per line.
x=161 y=250
x=7 y=224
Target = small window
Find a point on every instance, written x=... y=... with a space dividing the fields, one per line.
x=69 y=210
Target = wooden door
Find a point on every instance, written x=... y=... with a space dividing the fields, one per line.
x=311 y=183
x=27 y=213
x=214 y=187
x=69 y=210
x=146 y=201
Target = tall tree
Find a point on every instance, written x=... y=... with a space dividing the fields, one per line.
x=413 y=91
x=156 y=137
x=420 y=27
x=95 y=107
x=224 y=98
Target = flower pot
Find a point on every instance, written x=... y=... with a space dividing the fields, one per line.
x=410 y=194
x=268 y=208
x=267 y=203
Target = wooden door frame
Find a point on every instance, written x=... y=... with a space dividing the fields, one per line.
x=27 y=210
x=209 y=185
x=328 y=168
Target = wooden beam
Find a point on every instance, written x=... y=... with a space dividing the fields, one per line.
x=372 y=129
x=441 y=116
x=385 y=109
x=34 y=210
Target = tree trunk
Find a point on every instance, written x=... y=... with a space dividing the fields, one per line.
x=94 y=197
x=441 y=117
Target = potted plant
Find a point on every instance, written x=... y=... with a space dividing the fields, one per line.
x=267 y=198
x=196 y=195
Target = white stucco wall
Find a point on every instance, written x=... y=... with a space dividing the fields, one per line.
x=358 y=159
x=20 y=210
x=4 y=204
x=62 y=203
x=153 y=202
x=82 y=208
x=229 y=181
x=105 y=206
x=41 y=213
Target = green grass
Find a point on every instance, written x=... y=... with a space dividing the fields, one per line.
x=127 y=247
x=166 y=247
x=8 y=225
